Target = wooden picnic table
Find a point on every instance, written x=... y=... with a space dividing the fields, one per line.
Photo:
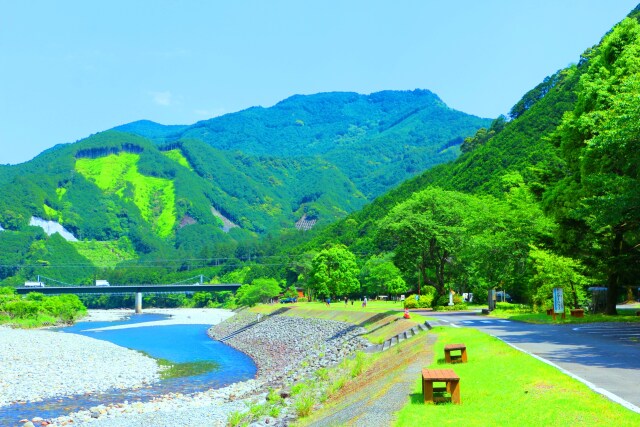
x=462 y=357
x=447 y=376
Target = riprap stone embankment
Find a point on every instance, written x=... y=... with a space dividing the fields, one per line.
x=287 y=349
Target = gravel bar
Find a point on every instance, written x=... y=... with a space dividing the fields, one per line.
x=41 y=364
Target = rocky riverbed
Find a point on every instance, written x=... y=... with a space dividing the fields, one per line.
x=41 y=364
x=286 y=350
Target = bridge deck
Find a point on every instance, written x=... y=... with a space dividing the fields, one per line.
x=128 y=289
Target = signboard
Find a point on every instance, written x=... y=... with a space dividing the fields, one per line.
x=558 y=301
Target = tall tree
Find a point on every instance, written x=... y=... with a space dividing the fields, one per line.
x=380 y=276
x=334 y=272
x=426 y=232
x=555 y=271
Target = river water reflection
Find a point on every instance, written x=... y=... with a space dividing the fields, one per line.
x=175 y=343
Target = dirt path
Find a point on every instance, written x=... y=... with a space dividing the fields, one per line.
x=373 y=401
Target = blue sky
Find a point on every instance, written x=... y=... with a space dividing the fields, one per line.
x=73 y=68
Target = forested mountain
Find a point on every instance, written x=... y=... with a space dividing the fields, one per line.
x=377 y=140
x=547 y=197
x=205 y=194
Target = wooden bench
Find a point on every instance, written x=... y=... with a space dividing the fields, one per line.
x=578 y=312
x=447 y=376
x=462 y=357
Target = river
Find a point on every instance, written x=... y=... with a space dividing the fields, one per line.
x=186 y=345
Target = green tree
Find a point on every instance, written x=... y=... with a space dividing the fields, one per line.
x=300 y=268
x=334 y=272
x=555 y=271
x=260 y=290
x=380 y=276
x=496 y=248
x=291 y=292
x=425 y=232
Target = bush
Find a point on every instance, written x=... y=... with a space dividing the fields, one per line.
x=513 y=308
x=444 y=299
x=235 y=418
x=425 y=301
x=303 y=299
x=358 y=365
x=410 y=302
x=304 y=405
x=455 y=307
x=322 y=374
x=298 y=388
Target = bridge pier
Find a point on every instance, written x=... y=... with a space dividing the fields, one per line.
x=138 y=302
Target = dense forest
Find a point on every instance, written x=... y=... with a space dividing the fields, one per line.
x=545 y=197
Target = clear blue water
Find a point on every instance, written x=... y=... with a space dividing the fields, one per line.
x=176 y=343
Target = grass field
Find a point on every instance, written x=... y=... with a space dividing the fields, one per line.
x=501 y=386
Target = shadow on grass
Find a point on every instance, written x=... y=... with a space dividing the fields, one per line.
x=416 y=399
x=377 y=318
x=371 y=320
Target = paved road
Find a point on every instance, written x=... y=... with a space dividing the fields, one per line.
x=606 y=356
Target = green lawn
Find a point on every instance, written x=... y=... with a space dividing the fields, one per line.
x=501 y=386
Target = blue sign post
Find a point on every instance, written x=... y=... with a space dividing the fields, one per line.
x=558 y=302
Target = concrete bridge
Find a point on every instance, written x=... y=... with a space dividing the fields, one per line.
x=138 y=290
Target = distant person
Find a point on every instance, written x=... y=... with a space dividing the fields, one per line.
x=365 y=301
x=345 y=301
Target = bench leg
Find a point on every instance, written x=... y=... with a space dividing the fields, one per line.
x=464 y=356
x=447 y=356
x=427 y=390
x=454 y=389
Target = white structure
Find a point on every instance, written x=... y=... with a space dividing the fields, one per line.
x=33 y=285
x=102 y=283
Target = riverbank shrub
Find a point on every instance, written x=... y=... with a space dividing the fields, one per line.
x=36 y=310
